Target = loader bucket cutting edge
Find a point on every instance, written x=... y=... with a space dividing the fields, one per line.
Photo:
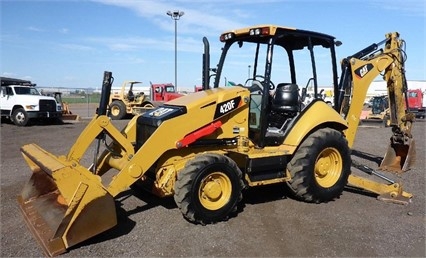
x=63 y=205
x=399 y=157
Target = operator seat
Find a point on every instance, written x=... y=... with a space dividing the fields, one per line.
x=130 y=95
x=286 y=98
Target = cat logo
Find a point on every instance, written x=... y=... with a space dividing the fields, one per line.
x=363 y=70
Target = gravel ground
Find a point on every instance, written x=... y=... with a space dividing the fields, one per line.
x=269 y=224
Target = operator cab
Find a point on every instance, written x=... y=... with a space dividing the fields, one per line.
x=284 y=61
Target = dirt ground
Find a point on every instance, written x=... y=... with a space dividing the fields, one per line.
x=268 y=224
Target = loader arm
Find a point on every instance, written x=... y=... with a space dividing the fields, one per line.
x=98 y=125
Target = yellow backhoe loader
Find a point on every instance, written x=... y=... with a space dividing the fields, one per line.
x=205 y=148
x=123 y=101
x=66 y=112
x=379 y=112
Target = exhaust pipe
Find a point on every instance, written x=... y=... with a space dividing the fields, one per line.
x=105 y=94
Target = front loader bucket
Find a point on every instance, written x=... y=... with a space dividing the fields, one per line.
x=373 y=123
x=399 y=157
x=70 y=117
x=63 y=203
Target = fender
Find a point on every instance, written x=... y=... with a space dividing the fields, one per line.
x=317 y=114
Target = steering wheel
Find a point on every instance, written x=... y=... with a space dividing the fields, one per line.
x=256 y=86
x=271 y=85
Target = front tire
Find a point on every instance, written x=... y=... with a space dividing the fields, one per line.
x=117 y=110
x=20 y=117
x=209 y=188
x=321 y=167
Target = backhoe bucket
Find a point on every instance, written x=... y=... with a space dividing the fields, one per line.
x=399 y=157
x=63 y=203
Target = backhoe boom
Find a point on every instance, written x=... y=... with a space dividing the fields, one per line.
x=359 y=71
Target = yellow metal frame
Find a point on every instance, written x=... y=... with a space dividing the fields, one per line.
x=386 y=192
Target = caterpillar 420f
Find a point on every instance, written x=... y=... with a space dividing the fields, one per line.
x=206 y=147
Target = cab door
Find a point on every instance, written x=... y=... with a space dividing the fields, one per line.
x=6 y=99
x=158 y=93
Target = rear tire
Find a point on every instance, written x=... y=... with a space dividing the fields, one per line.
x=148 y=105
x=117 y=110
x=321 y=167
x=209 y=188
x=20 y=117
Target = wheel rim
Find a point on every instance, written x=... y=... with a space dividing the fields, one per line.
x=115 y=111
x=328 y=167
x=215 y=191
x=20 y=117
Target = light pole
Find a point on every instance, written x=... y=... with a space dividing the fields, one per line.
x=175 y=15
x=249 y=66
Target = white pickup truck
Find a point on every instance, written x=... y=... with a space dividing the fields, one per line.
x=22 y=103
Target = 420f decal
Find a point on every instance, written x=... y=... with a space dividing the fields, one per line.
x=226 y=107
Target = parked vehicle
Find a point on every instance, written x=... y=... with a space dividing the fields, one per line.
x=127 y=102
x=379 y=112
x=66 y=111
x=205 y=148
x=21 y=102
x=416 y=102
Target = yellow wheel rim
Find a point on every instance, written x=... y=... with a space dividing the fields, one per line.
x=115 y=111
x=215 y=191
x=328 y=167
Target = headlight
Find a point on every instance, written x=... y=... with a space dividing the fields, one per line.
x=259 y=31
x=30 y=107
x=226 y=36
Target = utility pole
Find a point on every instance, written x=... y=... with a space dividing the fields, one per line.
x=175 y=15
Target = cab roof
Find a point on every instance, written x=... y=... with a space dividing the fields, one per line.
x=284 y=36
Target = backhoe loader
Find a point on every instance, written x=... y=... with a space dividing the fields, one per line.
x=379 y=112
x=205 y=148
x=66 y=112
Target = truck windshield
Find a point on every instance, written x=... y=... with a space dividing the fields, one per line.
x=170 y=88
x=412 y=95
x=26 y=91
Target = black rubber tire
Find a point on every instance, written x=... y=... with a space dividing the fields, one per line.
x=313 y=179
x=148 y=105
x=117 y=110
x=196 y=177
x=20 y=117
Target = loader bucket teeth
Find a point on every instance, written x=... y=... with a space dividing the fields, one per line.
x=63 y=204
x=399 y=157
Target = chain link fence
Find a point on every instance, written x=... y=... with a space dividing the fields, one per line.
x=81 y=101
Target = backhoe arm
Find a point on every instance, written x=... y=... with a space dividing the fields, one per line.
x=359 y=70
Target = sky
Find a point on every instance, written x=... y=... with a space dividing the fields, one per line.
x=71 y=43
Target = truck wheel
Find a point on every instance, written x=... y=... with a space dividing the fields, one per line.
x=321 y=167
x=117 y=110
x=208 y=189
x=20 y=117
